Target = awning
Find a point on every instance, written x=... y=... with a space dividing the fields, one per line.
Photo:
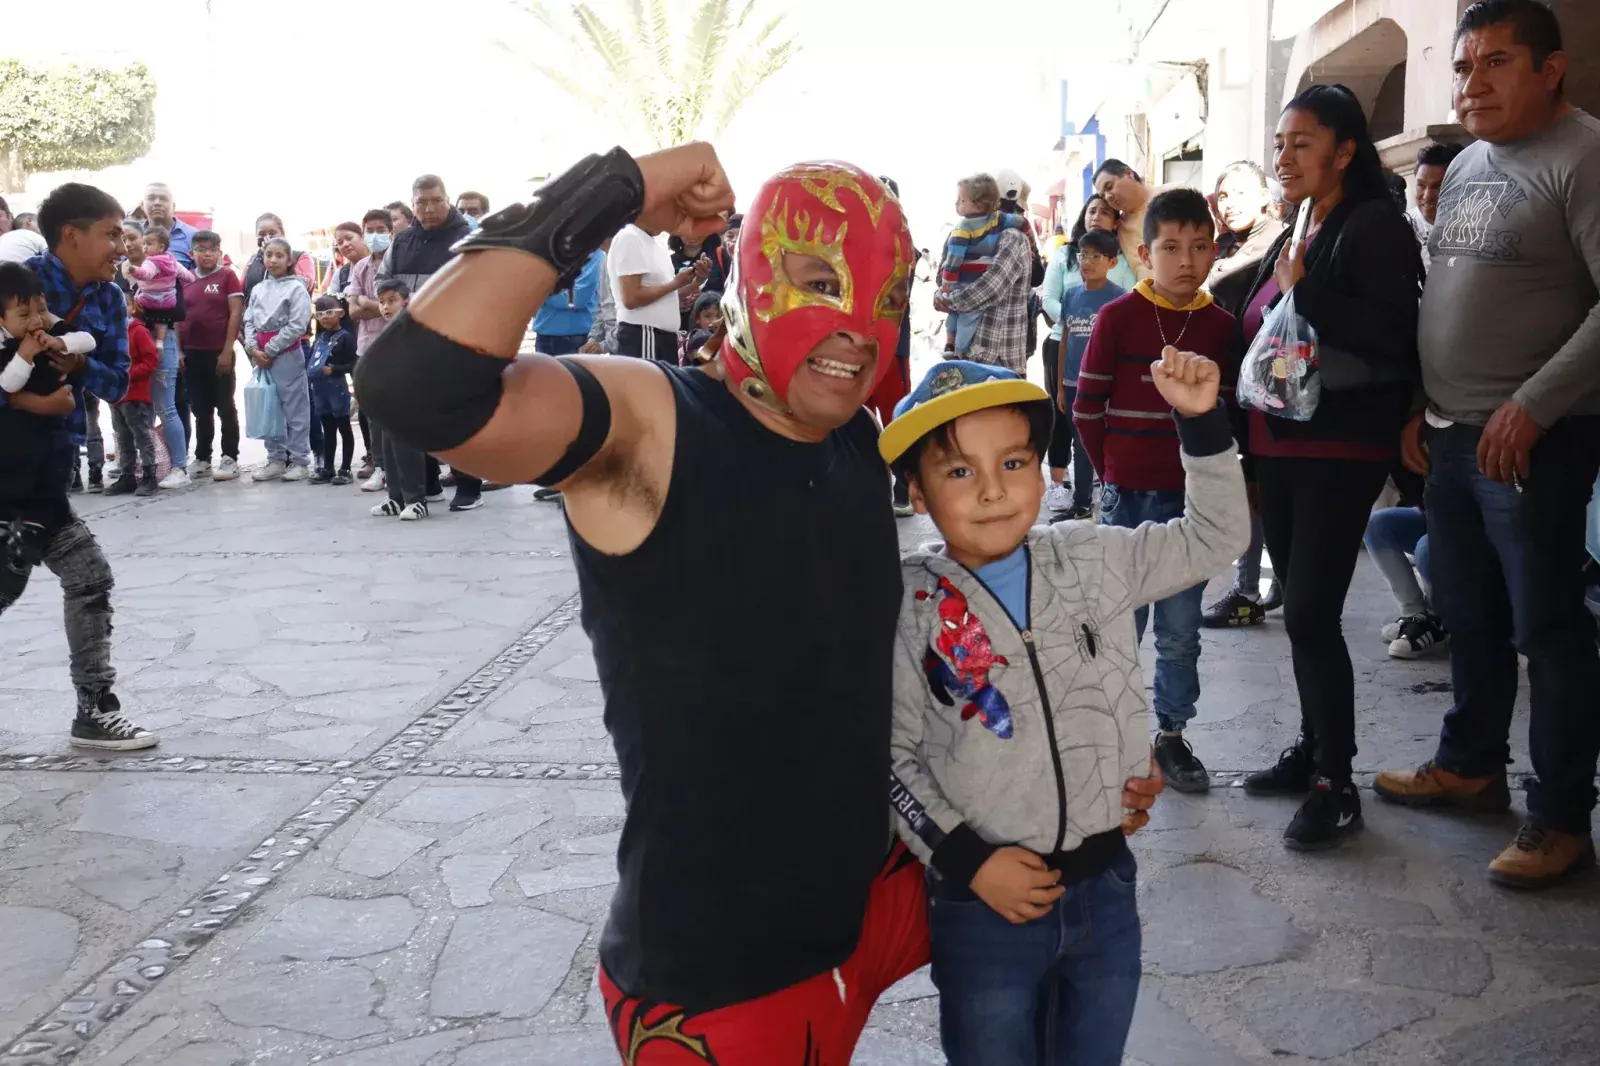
x=1289 y=17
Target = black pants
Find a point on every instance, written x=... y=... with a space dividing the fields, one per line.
x=211 y=392
x=180 y=400
x=334 y=429
x=647 y=342
x=1060 y=456
x=367 y=438
x=1506 y=569
x=1313 y=513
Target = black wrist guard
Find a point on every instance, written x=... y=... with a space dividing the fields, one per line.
x=569 y=216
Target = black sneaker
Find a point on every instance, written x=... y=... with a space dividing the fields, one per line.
x=1234 y=609
x=1274 y=598
x=101 y=724
x=1418 y=635
x=466 y=501
x=1073 y=514
x=77 y=480
x=322 y=477
x=1290 y=776
x=1331 y=813
x=148 y=485
x=342 y=478
x=122 y=486
x=1182 y=770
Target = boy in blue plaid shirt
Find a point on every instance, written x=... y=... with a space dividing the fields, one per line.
x=83 y=229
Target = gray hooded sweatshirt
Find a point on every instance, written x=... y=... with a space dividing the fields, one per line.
x=280 y=306
x=1032 y=746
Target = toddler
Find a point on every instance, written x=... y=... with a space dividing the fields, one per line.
x=159 y=277
x=333 y=359
x=133 y=417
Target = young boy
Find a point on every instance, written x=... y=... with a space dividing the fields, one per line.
x=404 y=467
x=216 y=310
x=1122 y=421
x=133 y=416
x=706 y=318
x=970 y=249
x=1080 y=307
x=1019 y=710
x=333 y=360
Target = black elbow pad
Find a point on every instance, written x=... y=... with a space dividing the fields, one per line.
x=430 y=391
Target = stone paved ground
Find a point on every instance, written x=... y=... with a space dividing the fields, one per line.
x=380 y=828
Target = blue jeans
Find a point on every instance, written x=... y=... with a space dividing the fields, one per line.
x=1178 y=617
x=559 y=343
x=164 y=399
x=1082 y=466
x=1247 y=571
x=1057 y=991
x=1507 y=577
x=1392 y=533
x=288 y=373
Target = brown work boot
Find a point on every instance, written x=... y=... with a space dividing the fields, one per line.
x=1431 y=785
x=1541 y=857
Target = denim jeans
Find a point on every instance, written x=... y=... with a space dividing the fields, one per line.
x=1082 y=466
x=1392 y=533
x=559 y=343
x=132 y=420
x=288 y=373
x=1057 y=991
x=74 y=556
x=1247 y=571
x=164 y=398
x=1506 y=569
x=1178 y=617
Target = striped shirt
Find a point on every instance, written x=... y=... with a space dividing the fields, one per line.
x=1124 y=423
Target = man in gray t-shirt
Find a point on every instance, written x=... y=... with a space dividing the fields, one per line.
x=1510 y=344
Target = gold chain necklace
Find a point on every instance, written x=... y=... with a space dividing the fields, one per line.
x=1163 y=330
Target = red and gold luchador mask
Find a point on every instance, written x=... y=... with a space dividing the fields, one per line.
x=840 y=214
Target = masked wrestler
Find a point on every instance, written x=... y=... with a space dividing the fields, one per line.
x=739 y=569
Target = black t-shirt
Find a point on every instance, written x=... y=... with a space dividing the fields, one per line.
x=744 y=650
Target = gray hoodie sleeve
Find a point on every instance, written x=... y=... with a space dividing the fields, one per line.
x=933 y=829
x=299 y=321
x=1156 y=560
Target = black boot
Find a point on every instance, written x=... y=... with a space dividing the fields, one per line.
x=97 y=481
x=148 y=485
x=1289 y=777
x=124 y=485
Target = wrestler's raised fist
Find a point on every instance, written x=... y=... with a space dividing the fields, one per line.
x=686 y=191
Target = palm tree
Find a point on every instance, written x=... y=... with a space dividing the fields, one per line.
x=669 y=70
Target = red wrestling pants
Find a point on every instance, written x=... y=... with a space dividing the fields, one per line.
x=814 y=1023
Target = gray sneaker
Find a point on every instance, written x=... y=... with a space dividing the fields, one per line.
x=271 y=472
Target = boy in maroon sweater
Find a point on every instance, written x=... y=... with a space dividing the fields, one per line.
x=1128 y=431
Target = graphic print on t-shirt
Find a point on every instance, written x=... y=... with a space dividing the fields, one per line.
x=1467 y=217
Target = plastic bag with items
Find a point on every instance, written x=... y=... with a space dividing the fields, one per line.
x=1279 y=373
x=263 y=410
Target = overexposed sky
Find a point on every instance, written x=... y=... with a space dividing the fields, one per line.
x=320 y=109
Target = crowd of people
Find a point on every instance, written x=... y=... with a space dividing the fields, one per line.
x=992 y=681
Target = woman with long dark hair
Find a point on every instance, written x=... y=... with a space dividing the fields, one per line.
x=1061 y=277
x=1356 y=280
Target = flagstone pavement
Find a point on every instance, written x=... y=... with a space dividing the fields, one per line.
x=380 y=828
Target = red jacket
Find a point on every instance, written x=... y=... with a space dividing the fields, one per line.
x=142 y=362
x=1125 y=425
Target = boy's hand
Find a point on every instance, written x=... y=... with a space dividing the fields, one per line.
x=54 y=344
x=29 y=346
x=1061 y=400
x=1138 y=796
x=1017 y=885
x=1187 y=381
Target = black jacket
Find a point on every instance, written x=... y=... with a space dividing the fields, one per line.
x=1363 y=281
x=417 y=253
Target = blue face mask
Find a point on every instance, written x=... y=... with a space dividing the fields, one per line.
x=377 y=242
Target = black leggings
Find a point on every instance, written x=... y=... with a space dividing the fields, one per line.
x=367 y=438
x=1060 y=455
x=334 y=429
x=1313 y=514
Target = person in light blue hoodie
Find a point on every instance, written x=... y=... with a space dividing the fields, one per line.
x=563 y=322
x=276 y=318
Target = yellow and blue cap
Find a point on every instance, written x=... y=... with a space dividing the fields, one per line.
x=950 y=389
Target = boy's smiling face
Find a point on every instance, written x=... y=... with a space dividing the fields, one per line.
x=981 y=486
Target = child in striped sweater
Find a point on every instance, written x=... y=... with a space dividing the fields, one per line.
x=1126 y=427
x=970 y=249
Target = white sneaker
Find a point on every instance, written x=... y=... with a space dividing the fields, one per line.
x=199 y=470
x=296 y=473
x=414 y=512
x=271 y=472
x=1057 y=498
x=179 y=478
x=111 y=472
x=226 y=470
x=387 y=509
x=376 y=483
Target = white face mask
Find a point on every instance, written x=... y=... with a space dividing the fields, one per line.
x=377 y=242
